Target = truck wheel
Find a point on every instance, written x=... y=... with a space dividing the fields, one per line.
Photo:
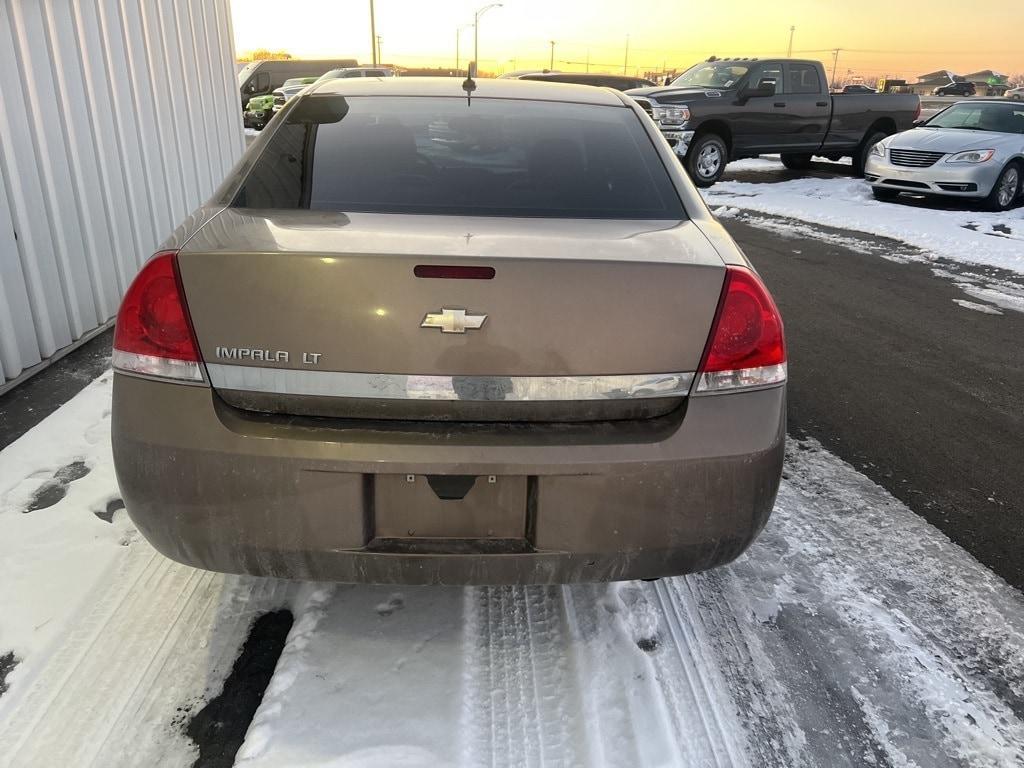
x=860 y=158
x=705 y=162
x=796 y=161
x=1006 y=189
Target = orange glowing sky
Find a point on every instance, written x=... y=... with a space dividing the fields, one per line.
x=877 y=37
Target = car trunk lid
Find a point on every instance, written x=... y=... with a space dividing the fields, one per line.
x=455 y=318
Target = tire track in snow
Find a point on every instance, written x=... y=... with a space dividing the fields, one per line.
x=519 y=705
x=774 y=735
x=161 y=634
x=889 y=643
x=701 y=699
x=627 y=718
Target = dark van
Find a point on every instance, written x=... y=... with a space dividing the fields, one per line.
x=262 y=77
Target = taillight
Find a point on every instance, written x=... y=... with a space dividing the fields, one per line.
x=917 y=112
x=153 y=336
x=746 y=347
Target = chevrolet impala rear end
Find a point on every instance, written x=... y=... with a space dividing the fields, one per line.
x=430 y=336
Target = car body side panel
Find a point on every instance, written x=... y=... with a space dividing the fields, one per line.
x=853 y=114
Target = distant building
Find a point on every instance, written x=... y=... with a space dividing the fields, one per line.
x=929 y=82
x=989 y=83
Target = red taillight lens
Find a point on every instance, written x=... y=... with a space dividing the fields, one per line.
x=153 y=335
x=746 y=347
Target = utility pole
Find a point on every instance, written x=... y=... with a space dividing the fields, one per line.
x=835 y=62
x=551 y=65
x=789 y=52
x=476 y=33
x=625 y=62
x=588 y=60
x=380 y=56
x=373 y=34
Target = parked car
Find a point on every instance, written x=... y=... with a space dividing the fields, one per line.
x=618 y=82
x=1015 y=94
x=973 y=149
x=258 y=112
x=725 y=109
x=859 y=89
x=956 y=89
x=323 y=376
x=261 y=78
x=345 y=72
x=291 y=88
x=516 y=74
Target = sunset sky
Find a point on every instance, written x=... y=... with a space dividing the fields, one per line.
x=878 y=37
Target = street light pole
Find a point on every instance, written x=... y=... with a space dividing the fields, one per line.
x=373 y=35
x=476 y=32
x=789 y=53
x=835 y=62
x=551 y=65
x=625 y=62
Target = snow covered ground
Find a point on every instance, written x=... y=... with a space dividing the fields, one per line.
x=852 y=633
x=970 y=237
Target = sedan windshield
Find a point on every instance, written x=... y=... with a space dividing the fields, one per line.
x=984 y=116
x=712 y=74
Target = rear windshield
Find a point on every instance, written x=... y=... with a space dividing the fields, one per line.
x=491 y=157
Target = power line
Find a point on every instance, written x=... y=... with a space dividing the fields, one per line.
x=910 y=53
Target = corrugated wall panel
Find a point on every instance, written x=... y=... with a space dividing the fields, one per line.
x=117 y=118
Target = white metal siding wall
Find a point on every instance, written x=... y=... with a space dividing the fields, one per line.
x=117 y=118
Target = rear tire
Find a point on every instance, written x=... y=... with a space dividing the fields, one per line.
x=885 y=195
x=706 y=159
x=1006 y=190
x=860 y=157
x=796 y=161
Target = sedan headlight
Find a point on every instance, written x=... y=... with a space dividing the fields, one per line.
x=671 y=115
x=878 y=149
x=971 y=156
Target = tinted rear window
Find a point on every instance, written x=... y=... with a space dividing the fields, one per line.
x=493 y=157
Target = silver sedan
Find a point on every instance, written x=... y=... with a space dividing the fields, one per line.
x=972 y=149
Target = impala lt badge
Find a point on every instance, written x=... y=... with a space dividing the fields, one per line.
x=453 y=321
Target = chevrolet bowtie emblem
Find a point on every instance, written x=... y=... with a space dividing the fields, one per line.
x=452 y=321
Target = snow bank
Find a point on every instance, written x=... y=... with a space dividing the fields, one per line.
x=53 y=558
x=973 y=237
x=851 y=633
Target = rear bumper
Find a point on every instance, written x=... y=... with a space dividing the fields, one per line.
x=214 y=488
x=939 y=179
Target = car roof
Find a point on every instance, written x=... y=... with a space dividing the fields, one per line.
x=985 y=100
x=579 y=75
x=486 y=88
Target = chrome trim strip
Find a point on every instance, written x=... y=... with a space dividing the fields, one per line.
x=157 y=367
x=394 y=386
